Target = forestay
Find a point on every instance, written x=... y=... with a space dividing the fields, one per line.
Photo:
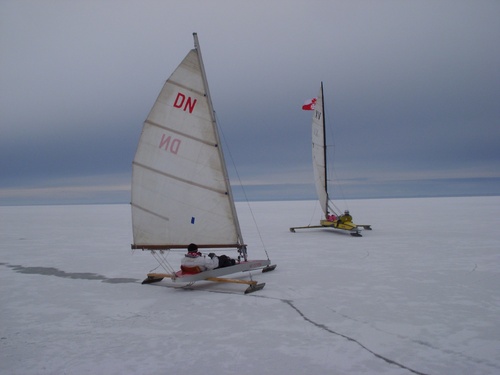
x=180 y=188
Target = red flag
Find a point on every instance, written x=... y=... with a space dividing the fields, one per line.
x=309 y=104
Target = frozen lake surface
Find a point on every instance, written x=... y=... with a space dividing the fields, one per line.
x=419 y=294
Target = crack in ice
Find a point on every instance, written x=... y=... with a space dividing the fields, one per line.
x=325 y=328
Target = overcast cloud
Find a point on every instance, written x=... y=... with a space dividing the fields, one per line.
x=412 y=93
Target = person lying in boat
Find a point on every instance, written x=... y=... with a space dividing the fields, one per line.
x=346 y=217
x=195 y=262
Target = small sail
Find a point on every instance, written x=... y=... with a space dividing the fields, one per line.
x=180 y=188
x=319 y=152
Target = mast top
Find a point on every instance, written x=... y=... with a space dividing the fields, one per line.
x=195 y=37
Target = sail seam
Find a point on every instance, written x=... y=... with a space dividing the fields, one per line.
x=168 y=175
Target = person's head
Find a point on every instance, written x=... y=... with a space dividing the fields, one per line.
x=192 y=248
x=346 y=212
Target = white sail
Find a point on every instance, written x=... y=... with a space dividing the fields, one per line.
x=319 y=152
x=180 y=188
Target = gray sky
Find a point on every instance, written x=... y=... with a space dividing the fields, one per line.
x=412 y=93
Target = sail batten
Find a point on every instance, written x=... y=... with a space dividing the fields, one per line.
x=180 y=133
x=190 y=89
x=149 y=212
x=222 y=192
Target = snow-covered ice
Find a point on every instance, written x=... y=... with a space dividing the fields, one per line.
x=420 y=294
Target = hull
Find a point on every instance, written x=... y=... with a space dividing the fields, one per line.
x=240 y=267
x=214 y=275
x=339 y=225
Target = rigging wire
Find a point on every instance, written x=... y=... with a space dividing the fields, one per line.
x=161 y=258
x=313 y=213
x=226 y=145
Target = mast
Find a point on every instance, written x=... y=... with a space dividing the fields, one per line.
x=324 y=145
x=219 y=144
